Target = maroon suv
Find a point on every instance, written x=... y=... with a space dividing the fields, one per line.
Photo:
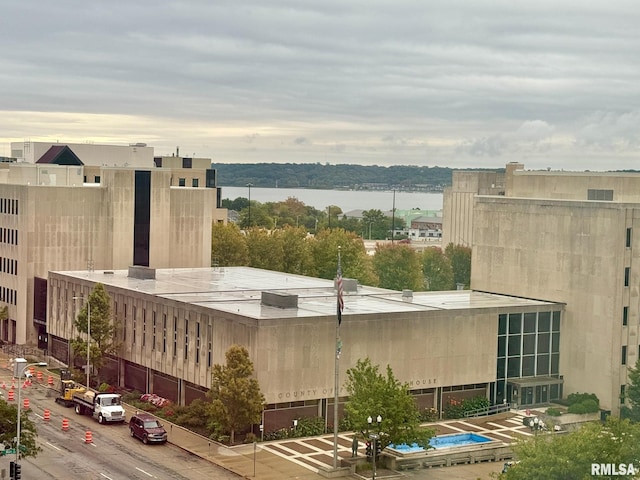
x=147 y=428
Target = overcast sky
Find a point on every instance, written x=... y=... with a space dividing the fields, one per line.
x=411 y=82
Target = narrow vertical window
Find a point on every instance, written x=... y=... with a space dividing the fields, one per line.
x=624 y=355
x=153 y=326
x=623 y=394
x=627 y=274
x=175 y=336
x=209 y=350
x=197 y=342
x=625 y=316
x=628 y=243
x=144 y=327
x=186 y=339
x=164 y=333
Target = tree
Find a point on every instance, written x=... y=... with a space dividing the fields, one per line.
x=398 y=267
x=633 y=395
x=355 y=261
x=236 y=399
x=228 y=247
x=437 y=271
x=266 y=250
x=570 y=456
x=296 y=250
x=9 y=429
x=103 y=329
x=374 y=224
x=372 y=394
x=460 y=258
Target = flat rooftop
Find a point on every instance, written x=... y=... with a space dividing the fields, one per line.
x=238 y=290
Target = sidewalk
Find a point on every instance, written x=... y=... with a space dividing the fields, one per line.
x=304 y=458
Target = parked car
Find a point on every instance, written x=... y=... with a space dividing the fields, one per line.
x=147 y=428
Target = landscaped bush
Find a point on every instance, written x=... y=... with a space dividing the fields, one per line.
x=553 y=412
x=586 y=406
x=458 y=409
x=428 y=415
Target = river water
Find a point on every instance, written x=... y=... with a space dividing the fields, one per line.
x=345 y=199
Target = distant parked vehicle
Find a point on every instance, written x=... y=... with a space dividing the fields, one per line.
x=147 y=428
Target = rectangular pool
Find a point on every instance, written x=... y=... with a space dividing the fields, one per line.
x=457 y=440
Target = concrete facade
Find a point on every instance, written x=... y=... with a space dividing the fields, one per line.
x=568 y=237
x=176 y=326
x=50 y=219
x=134 y=155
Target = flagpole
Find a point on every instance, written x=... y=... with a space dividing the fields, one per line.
x=336 y=387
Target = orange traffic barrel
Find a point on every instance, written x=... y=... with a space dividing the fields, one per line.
x=39 y=376
x=32 y=370
x=25 y=403
x=65 y=424
x=50 y=380
x=11 y=394
x=47 y=415
x=88 y=437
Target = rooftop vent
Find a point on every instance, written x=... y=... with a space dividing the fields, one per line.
x=142 y=273
x=349 y=285
x=407 y=293
x=279 y=300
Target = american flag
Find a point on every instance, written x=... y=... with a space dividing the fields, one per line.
x=340 y=294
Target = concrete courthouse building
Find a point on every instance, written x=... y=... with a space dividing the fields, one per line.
x=62 y=214
x=567 y=237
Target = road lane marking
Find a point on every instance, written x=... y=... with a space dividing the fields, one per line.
x=146 y=473
x=102 y=474
x=53 y=446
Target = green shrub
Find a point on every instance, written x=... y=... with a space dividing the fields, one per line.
x=553 y=412
x=587 y=406
x=428 y=415
x=581 y=397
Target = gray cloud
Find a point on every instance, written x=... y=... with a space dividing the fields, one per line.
x=451 y=83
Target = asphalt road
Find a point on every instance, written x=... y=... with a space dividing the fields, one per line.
x=112 y=454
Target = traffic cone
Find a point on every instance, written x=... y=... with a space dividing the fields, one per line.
x=46 y=416
x=11 y=396
x=24 y=384
x=65 y=424
x=25 y=403
x=4 y=385
x=88 y=437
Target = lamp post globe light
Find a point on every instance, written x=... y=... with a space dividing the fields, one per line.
x=20 y=365
x=88 y=335
x=375 y=438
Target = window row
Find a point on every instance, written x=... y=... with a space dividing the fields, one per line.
x=9 y=235
x=515 y=323
x=161 y=333
x=529 y=366
x=528 y=344
x=9 y=206
x=8 y=295
x=8 y=265
x=182 y=182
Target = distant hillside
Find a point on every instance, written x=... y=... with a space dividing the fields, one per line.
x=316 y=175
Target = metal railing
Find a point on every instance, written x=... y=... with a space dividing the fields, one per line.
x=491 y=410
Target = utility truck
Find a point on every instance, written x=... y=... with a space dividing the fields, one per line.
x=68 y=388
x=104 y=407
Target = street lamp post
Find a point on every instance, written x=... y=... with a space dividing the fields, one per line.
x=374 y=438
x=249 y=185
x=20 y=367
x=88 y=335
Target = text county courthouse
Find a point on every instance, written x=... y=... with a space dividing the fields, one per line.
x=177 y=323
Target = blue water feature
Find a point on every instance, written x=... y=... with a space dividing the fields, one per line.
x=457 y=440
x=404 y=448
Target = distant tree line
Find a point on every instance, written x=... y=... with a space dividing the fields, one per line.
x=394 y=266
x=374 y=224
x=326 y=176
